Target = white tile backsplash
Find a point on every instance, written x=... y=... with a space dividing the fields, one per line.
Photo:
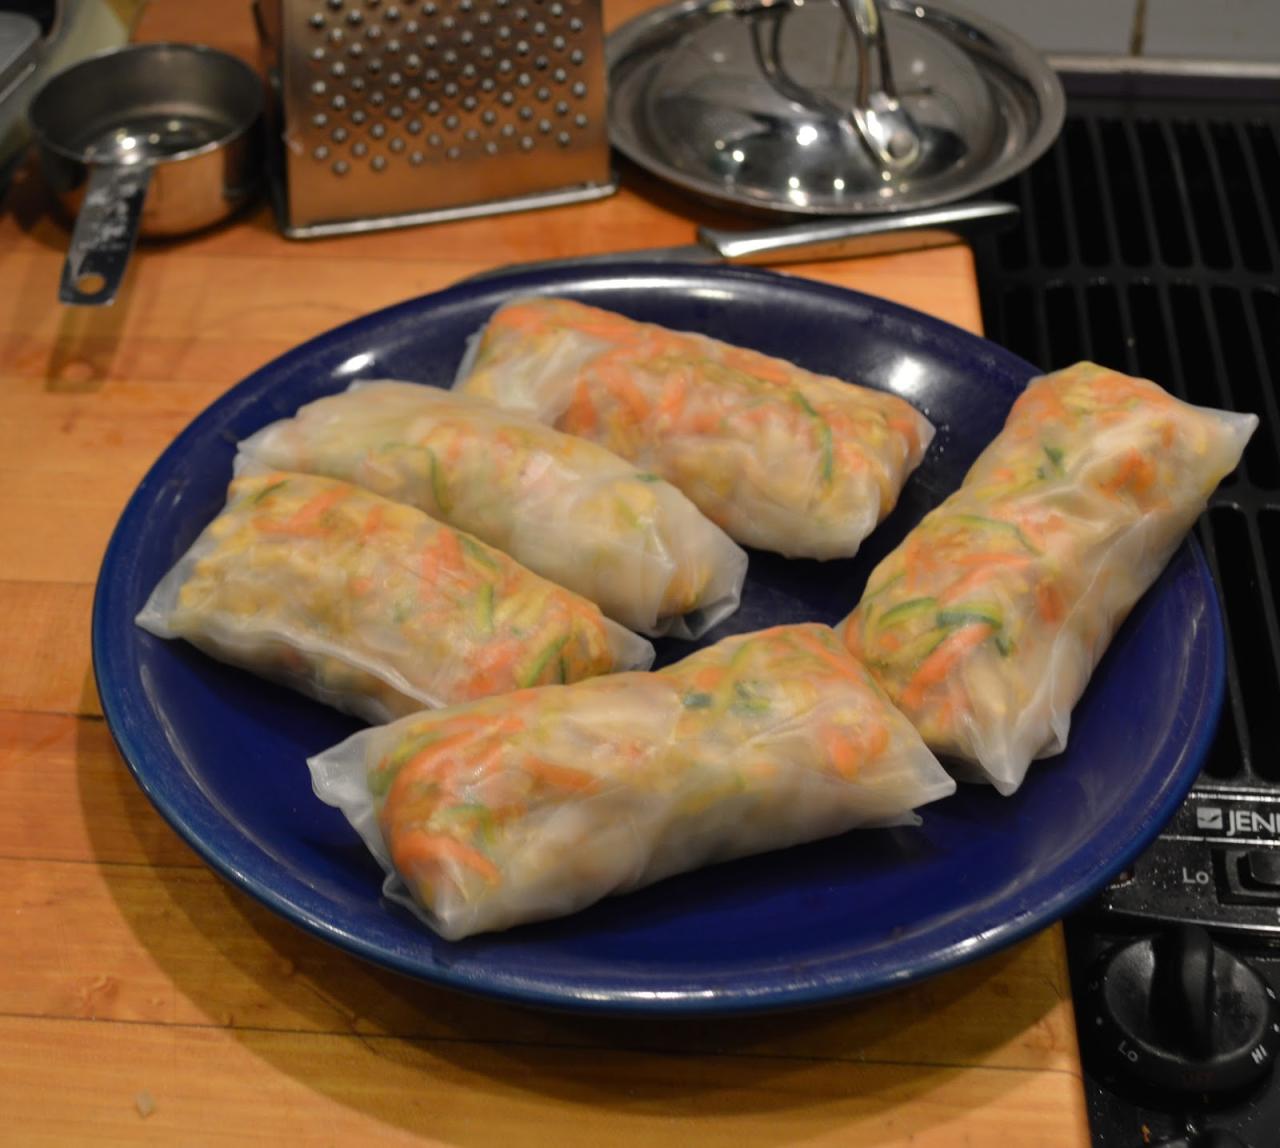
x=1066 y=27
x=1188 y=29
x=1214 y=29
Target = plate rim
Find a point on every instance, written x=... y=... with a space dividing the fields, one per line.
x=813 y=990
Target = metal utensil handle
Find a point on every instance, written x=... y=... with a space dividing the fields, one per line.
x=873 y=50
x=105 y=233
x=883 y=123
x=766 y=40
x=844 y=238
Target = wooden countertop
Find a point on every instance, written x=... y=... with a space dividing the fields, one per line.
x=143 y=1000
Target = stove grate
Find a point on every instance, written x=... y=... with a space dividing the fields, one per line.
x=1148 y=243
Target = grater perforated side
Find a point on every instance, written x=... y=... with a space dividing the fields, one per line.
x=404 y=113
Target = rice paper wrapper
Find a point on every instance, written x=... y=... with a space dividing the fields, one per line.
x=985 y=625
x=372 y=607
x=783 y=459
x=534 y=805
x=564 y=507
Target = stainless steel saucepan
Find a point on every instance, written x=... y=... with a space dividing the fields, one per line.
x=151 y=139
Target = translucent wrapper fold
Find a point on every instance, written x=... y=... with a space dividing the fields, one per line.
x=783 y=459
x=537 y=804
x=371 y=606
x=562 y=506
x=986 y=623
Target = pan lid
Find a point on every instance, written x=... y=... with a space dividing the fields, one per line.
x=828 y=107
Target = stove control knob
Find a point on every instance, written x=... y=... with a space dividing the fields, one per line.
x=1208 y=1138
x=1177 y=1011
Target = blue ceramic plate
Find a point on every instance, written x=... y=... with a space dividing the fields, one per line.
x=221 y=755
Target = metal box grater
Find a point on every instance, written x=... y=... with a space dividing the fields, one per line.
x=394 y=113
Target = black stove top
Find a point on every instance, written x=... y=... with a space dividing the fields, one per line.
x=1150 y=242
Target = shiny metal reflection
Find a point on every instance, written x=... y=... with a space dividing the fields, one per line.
x=765 y=103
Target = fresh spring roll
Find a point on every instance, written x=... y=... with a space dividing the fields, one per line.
x=986 y=623
x=562 y=506
x=539 y=803
x=372 y=606
x=783 y=459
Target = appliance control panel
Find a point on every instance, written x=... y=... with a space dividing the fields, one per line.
x=1217 y=863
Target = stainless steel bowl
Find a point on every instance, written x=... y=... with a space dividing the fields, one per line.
x=151 y=139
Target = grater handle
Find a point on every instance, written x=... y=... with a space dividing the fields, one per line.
x=848 y=238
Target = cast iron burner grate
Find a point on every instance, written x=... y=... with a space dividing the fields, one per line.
x=1150 y=242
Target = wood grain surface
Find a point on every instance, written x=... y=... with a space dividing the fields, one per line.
x=142 y=1000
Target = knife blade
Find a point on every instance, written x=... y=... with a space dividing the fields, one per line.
x=804 y=242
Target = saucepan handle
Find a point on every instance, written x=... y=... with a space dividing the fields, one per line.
x=105 y=233
x=850 y=238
